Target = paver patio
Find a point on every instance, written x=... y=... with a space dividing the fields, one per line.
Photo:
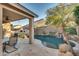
x=35 y=49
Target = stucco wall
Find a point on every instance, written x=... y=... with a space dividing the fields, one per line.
x=46 y=30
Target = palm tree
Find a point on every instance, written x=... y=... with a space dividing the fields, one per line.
x=76 y=13
x=59 y=16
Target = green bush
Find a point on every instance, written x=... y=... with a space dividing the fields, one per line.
x=52 y=33
x=71 y=30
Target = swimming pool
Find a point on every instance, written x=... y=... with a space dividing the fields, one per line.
x=51 y=41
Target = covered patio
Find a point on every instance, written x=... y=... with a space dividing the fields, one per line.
x=14 y=12
x=31 y=47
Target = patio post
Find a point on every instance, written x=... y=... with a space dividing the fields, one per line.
x=31 y=31
x=1 y=18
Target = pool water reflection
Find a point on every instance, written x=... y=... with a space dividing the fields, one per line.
x=51 y=41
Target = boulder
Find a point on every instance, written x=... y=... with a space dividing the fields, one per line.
x=64 y=50
x=63 y=47
x=68 y=54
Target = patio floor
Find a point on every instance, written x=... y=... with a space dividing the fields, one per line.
x=35 y=49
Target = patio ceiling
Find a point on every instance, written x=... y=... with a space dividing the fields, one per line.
x=11 y=15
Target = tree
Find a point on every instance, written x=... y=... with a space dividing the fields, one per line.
x=59 y=16
x=76 y=14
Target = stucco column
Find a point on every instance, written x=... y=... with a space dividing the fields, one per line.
x=1 y=17
x=31 y=30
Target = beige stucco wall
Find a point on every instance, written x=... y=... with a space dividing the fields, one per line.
x=39 y=23
x=47 y=29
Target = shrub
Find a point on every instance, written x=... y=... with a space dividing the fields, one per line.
x=52 y=33
x=71 y=30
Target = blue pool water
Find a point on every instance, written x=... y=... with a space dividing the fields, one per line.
x=51 y=40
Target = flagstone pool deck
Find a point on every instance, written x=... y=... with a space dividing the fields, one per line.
x=35 y=49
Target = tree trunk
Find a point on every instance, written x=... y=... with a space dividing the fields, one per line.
x=66 y=39
x=77 y=30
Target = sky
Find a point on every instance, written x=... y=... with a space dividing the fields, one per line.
x=38 y=8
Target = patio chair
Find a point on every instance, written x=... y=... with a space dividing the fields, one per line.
x=10 y=45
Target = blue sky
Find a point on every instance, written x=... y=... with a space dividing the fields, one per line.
x=38 y=8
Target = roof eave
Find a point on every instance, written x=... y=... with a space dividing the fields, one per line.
x=32 y=13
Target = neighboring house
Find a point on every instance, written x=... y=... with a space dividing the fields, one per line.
x=46 y=30
x=16 y=28
x=39 y=23
x=26 y=29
